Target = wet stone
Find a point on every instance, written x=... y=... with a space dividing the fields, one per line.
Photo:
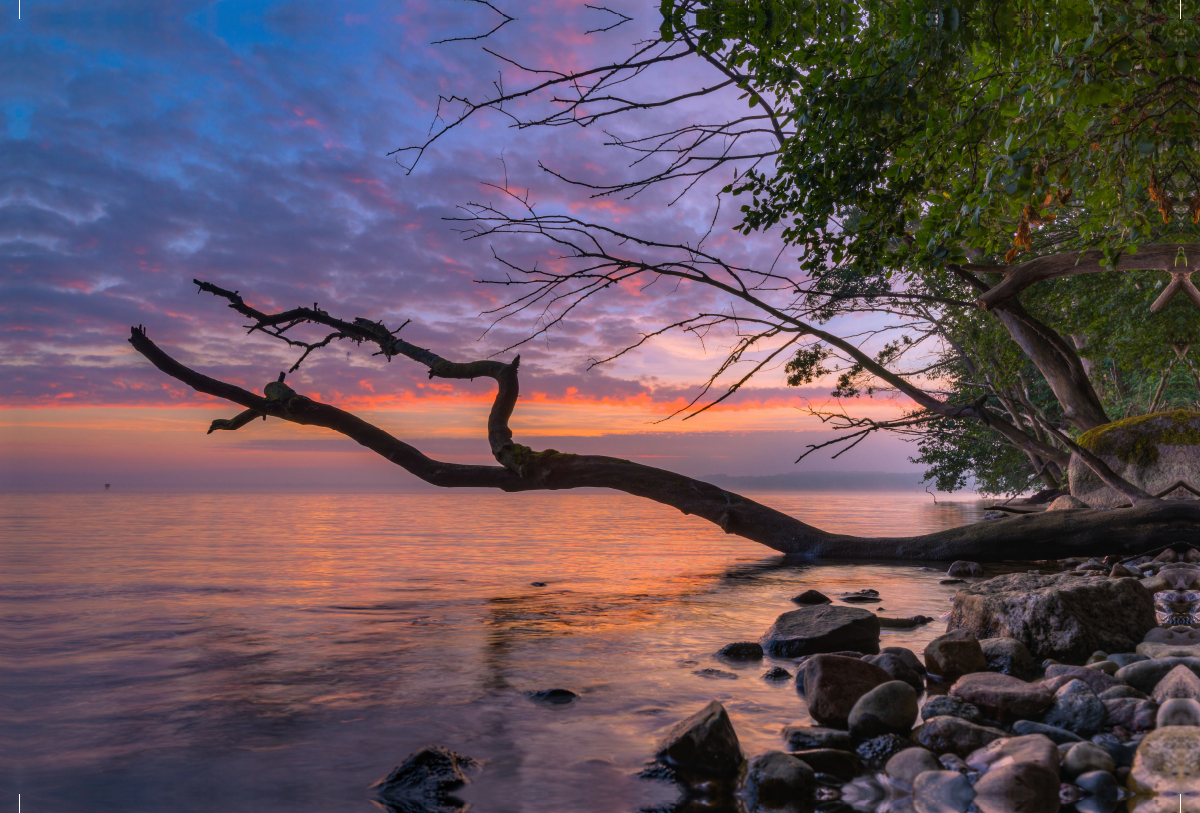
x=741 y=651
x=835 y=762
x=774 y=778
x=1130 y=713
x=806 y=737
x=833 y=684
x=554 y=697
x=1097 y=680
x=812 y=597
x=1017 y=787
x=777 y=674
x=704 y=743
x=1056 y=735
x=954 y=654
x=890 y=708
x=1103 y=792
x=1083 y=757
x=907 y=655
x=876 y=751
x=1003 y=698
x=955 y=736
x=963 y=568
x=898 y=669
x=950 y=706
x=822 y=628
x=1008 y=656
x=1122 y=691
x=907 y=764
x=426 y=780
x=1076 y=708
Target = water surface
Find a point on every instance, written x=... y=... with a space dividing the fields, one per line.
x=281 y=652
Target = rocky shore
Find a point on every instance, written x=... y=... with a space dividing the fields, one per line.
x=1072 y=687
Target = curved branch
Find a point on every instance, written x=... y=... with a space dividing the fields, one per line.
x=1056 y=533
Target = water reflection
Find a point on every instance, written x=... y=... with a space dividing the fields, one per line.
x=164 y=659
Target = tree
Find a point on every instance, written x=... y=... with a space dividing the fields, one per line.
x=911 y=155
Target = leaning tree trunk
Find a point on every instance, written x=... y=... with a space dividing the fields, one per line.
x=522 y=469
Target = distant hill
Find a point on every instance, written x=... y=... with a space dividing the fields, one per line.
x=822 y=481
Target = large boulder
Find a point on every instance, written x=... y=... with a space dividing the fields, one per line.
x=820 y=628
x=1061 y=616
x=834 y=683
x=1153 y=452
x=703 y=744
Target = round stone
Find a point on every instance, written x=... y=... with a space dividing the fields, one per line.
x=1166 y=763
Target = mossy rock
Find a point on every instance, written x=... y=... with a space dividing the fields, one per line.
x=1151 y=451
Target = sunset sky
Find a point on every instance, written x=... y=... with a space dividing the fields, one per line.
x=245 y=143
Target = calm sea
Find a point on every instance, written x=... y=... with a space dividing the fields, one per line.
x=267 y=652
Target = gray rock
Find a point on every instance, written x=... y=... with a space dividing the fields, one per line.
x=890 y=708
x=876 y=751
x=1003 y=698
x=1058 y=736
x=948 y=706
x=1097 y=680
x=955 y=736
x=741 y=651
x=1122 y=691
x=833 y=684
x=1130 y=713
x=906 y=765
x=812 y=597
x=963 y=568
x=954 y=654
x=426 y=781
x=1152 y=452
x=1103 y=792
x=1008 y=656
x=1083 y=757
x=1145 y=675
x=895 y=666
x=907 y=655
x=808 y=737
x=1017 y=787
x=1066 y=503
x=1057 y=616
x=942 y=792
x=837 y=763
x=1076 y=708
x=822 y=628
x=1178 y=711
x=703 y=744
x=1030 y=748
x=1126 y=658
x=775 y=779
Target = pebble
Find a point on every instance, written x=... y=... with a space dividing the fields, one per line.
x=906 y=765
x=1083 y=757
x=1103 y=792
x=1055 y=734
x=1176 y=711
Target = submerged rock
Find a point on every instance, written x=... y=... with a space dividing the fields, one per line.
x=777 y=674
x=1061 y=616
x=962 y=568
x=822 y=628
x=807 y=737
x=812 y=597
x=703 y=744
x=425 y=781
x=741 y=651
x=555 y=697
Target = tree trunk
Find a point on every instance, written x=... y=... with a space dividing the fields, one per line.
x=1050 y=534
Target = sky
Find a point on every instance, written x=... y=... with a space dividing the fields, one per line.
x=145 y=144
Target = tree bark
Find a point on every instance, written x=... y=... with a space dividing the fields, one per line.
x=1029 y=536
